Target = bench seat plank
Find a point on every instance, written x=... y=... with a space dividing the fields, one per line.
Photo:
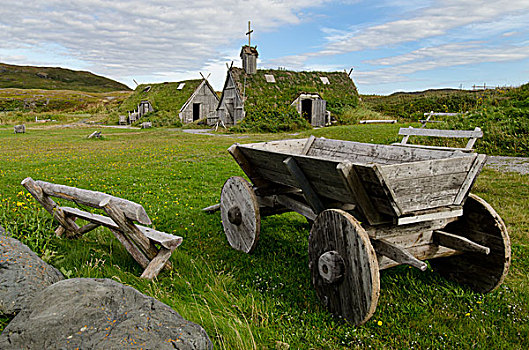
x=165 y=239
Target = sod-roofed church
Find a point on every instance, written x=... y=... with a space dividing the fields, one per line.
x=315 y=95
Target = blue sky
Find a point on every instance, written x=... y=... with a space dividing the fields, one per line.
x=392 y=45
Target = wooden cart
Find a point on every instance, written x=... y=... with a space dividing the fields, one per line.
x=371 y=207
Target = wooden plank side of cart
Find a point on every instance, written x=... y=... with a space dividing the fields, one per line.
x=381 y=180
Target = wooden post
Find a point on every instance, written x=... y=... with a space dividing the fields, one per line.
x=70 y=227
x=157 y=264
x=397 y=254
x=308 y=192
x=129 y=228
x=456 y=242
x=309 y=143
x=354 y=184
x=133 y=250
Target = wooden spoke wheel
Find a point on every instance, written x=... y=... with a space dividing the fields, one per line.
x=344 y=266
x=239 y=211
x=481 y=224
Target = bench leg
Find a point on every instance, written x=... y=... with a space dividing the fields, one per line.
x=136 y=253
x=157 y=264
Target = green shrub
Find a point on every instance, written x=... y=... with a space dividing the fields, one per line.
x=505 y=129
x=352 y=115
x=264 y=118
x=160 y=119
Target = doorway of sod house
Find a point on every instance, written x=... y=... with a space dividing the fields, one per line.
x=196 y=111
x=306 y=109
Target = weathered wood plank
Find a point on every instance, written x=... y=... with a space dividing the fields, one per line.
x=397 y=208
x=456 y=242
x=247 y=167
x=417 y=202
x=70 y=227
x=133 y=250
x=423 y=252
x=165 y=239
x=397 y=234
x=360 y=197
x=397 y=254
x=328 y=190
x=411 y=131
x=426 y=185
x=156 y=265
x=427 y=168
x=307 y=146
x=437 y=148
x=295 y=205
x=131 y=210
x=441 y=213
x=308 y=191
x=379 y=121
x=212 y=208
x=473 y=173
x=292 y=146
x=128 y=228
x=378 y=153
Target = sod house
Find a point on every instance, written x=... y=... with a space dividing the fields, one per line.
x=188 y=100
x=315 y=95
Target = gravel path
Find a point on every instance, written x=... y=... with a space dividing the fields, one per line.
x=509 y=164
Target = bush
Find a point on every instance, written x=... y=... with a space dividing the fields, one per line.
x=505 y=129
x=352 y=115
x=271 y=119
x=161 y=118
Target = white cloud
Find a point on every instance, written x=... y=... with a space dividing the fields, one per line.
x=443 y=33
x=123 y=38
x=435 y=20
x=398 y=68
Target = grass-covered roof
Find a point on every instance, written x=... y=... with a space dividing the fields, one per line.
x=340 y=91
x=163 y=96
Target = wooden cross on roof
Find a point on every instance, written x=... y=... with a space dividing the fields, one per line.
x=249 y=33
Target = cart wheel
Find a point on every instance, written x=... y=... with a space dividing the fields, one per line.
x=239 y=211
x=481 y=224
x=344 y=266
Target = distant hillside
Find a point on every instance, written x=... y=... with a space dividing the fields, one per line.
x=413 y=105
x=41 y=100
x=53 y=78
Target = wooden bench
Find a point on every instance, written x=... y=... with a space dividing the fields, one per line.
x=140 y=241
x=472 y=135
x=431 y=114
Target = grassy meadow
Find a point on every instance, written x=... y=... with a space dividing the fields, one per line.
x=263 y=300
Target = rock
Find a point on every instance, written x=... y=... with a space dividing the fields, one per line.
x=20 y=129
x=89 y=313
x=22 y=275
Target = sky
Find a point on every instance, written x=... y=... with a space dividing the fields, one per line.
x=399 y=45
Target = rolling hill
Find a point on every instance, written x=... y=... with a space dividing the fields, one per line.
x=54 y=78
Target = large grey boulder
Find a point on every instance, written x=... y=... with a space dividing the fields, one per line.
x=22 y=275
x=89 y=313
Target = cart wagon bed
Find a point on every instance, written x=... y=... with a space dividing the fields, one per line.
x=371 y=207
x=387 y=183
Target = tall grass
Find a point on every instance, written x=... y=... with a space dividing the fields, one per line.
x=264 y=299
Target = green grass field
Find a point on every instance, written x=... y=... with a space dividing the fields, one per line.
x=264 y=299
